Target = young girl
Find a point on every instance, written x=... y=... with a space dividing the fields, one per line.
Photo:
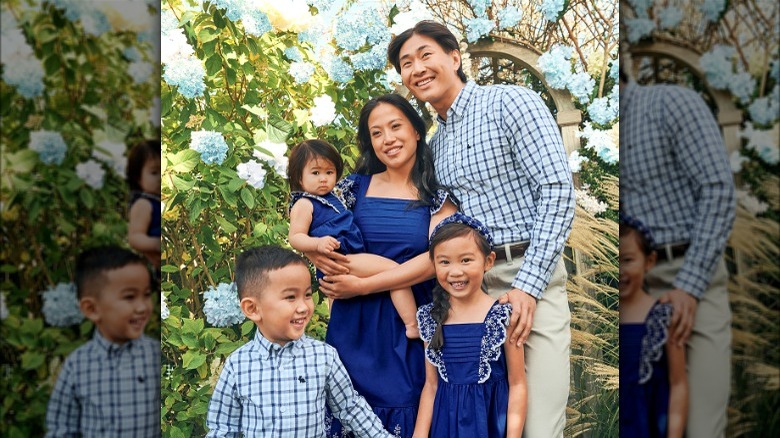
x=653 y=382
x=471 y=388
x=143 y=176
x=320 y=220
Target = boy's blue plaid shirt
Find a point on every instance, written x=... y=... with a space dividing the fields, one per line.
x=266 y=390
x=107 y=390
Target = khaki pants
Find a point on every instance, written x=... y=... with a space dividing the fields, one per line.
x=708 y=350
x=547 y=350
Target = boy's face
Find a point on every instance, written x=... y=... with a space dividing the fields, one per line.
x=121 y=309
x=428 y=71
x=285 y=306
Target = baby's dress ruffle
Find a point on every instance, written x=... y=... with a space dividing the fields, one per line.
x=296 y=196
x=654 y=341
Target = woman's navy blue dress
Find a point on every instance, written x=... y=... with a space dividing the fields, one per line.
x=644 y=375
x=473 y=391
x=386 y=367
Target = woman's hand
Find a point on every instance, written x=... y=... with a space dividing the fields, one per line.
x=341 y=286
x=331 y=264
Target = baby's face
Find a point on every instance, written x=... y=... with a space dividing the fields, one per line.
x=319 y=176
x=124 y=303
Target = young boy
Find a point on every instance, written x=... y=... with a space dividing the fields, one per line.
x=110 y=386
x=277 y=385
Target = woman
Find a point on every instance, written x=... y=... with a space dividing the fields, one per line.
x=396 y=202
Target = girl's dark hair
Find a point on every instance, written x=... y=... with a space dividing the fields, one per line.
x=423 y=177
x=308 y=150
x=441 y=299
x=431 y=29
x=644 y=244
x=139 y=154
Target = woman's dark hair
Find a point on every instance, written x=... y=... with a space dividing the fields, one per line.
x=423 y=177
x=431 y=29
x=644 y=245
x=441 y=299
x=139 y=154
x=308 y=150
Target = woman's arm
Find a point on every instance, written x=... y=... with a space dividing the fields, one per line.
x=411 y=272
x=422 y=426
x=300 y=222
x=518 y=391
x=138 y=225
x=678 y=389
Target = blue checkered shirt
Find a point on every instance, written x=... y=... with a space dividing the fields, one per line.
x=501 y=154
x=107 y=390
x=266 y=390
x=675 y=176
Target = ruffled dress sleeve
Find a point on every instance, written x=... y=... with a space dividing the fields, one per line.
x=346 y=190
x=427 y=327
x=654 y=341
x=496 y=323
x=438 y=200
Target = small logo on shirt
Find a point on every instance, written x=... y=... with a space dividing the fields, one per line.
x=301 y=379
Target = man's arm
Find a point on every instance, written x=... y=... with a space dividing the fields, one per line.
x=224 y=415
x=63 y=414
x=347 y=405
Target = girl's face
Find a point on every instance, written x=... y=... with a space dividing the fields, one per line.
x=319 y=176
x=393 y=136
x=150 y=176
x=633 y=264
x=461 y=265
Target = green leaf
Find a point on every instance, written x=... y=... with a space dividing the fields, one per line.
x=213 y=64
x=184 y=160
x=246 y=196
x=246 y=327
x=226 y=226
x=256 y=110
x=175 y=432
x=207 y=34
x=32 y=360
x=170 y=269
x=192 y=359
x=193 y=326
x=278 y=130
x=87 y=197
x=181 y=183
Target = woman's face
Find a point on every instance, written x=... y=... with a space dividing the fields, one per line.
x=393 y=137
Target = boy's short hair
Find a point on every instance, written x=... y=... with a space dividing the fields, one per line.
x=431 y=29
x=307 y=150
x=92 y=264
x=254 y=264
x=140 y=152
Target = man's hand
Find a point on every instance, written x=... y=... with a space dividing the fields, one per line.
x=523 y=308
x=341 y=286
x=327 y=244
x=331 y=264
x=684 y=315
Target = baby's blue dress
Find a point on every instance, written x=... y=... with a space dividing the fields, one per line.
x=644 y=375
x=473 y=391
x=155 y=228
x=386 y=367
x=331 y=217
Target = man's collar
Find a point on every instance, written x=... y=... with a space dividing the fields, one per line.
x=458 y=107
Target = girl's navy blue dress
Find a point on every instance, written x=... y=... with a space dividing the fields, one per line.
x=473 y=390
x=644 y=375
x=386 y=367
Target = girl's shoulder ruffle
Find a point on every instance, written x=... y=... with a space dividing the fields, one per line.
x=438 y=200
x=425 y=322
x=496 y=322
x=654 y=341
x=346 y=189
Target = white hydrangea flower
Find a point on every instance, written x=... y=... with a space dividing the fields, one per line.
x=277 y=159
x=113 y=154
x=253 y=173
x=164 y=312
x=752 y=204
x=92 y=173
x=323 y=111
x=3 y=308
x=588 y=202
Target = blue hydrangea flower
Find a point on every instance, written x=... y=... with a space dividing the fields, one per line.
x=614 y=70
x=211 y=145
x=581 y=86
x=255 y=22
x=479 y=6
x=26 y=74
x=551 y=9
x=556 y=67
x=293 y=54
x=374 y=59
x=321 y=5
x=131 y=54
x=222 y=307
x=168 y=22
x=765 y=110
x=712 y=9
x=49 y=145
x=187 y=74
x=301 y=71
x=61 y=305
x=669 y=17
x=742 y=86
x=164 y=312
x=639 y=28
x=601 y=111
x=641 y=7
x=509 y=17
x=339 y=70
x=478 y=27
x=359 y=25
x=576 y=160
x=774 y=71
x=140 y=71
x=232 y=8
x=717 y=66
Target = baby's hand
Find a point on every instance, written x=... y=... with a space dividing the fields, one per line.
x=327 y=244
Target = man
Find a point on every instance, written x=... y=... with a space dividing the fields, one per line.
x=500 y=152
x=675 y=176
